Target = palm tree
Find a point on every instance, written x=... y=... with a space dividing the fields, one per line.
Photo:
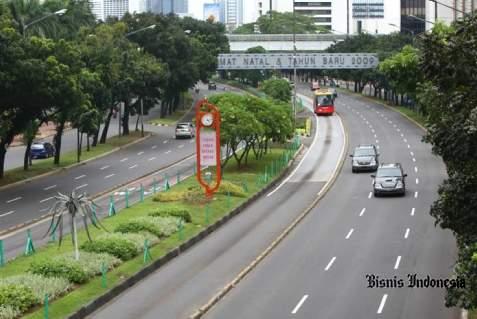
x=72 y=205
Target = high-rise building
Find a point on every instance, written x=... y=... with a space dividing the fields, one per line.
x=213 y=11
x=97 y=8
x=443 y=10
x=169 y=6
x=233 y=13
x=413 y=15
x=115 y=8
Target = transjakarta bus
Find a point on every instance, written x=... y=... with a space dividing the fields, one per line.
x=324 y=103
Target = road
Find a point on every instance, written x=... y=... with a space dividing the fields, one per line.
x=319 y=270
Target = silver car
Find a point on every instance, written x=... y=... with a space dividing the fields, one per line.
x=389 y=179
x=364 y=158
x=186 y=129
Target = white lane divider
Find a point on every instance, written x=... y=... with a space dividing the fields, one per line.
x=398 y=260
x=6 y=214
x=349 y=233
x=417 y=180
x=362 y=212
x=402 y=135
x=81 y=186
x=405 y=140
x=49 y=187
x=168 y=152
x=124 y=160
x=377 y=141
x=413 y=159
x=134 y=166
x=109 y=176
x=377 y=146
x=104 y=167
x=406 y=235
x=370 y=194
x=415 y=169
x=46 y=199
x=151 y=159
x=140 y=153
x=375 y=136
x=180 y=146
x=372 y=130
x=165 y=142
x=330 y=263
x=412 y=153
x=408 y=146
x=80 y=177
x=381 y=305
x=416 y=194
x=14 y=200
x=153 y=147
x=413 y=210
x=299 y=304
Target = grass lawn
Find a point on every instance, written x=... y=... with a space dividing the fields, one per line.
x=412 y=114
x=219 y=205
x=46 y=165
x=170 y=119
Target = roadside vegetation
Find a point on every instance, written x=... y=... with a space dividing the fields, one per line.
x=68 y=68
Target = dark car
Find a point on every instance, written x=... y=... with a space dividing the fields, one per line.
x=212 y=86
x=42 y=150
x=389 y=179
x=185 y=130
x=364 y=158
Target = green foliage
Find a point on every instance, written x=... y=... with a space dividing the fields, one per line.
x=170 y=196
x=60 y=268
x=91 y=263
x=39 y=285
x=114 y=244
x=282 y=23
x=159 y=226
x=227 y=187
x=8 y=312
x=173 y=212
x=19 y=298
x=278 y=89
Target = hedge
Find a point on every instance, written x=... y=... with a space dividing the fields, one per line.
x=60 y=268
x=159 y=226
x=173 y=212
x=16 y=297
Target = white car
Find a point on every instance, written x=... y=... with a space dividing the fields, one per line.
x=186 y=129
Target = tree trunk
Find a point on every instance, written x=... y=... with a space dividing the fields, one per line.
x=104 y=134
x=96 y=136
x=87 y=143
x=125 y=119
x=57 y=141
x=27 y=157
x=137 y=122
x=3 y=151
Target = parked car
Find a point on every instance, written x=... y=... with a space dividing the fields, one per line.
x=42 y=150
x=212 y=86
x=389 y=179
x=186 y=129
x=364 y=158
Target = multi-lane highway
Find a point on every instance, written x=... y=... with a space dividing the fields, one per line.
x=319 y=270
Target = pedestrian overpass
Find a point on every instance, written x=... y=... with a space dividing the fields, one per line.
x=284 y=42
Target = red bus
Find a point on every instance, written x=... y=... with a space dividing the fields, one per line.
x=324 y=102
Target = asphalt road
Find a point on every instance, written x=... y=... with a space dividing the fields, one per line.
x=176 y=290
x=320 y=270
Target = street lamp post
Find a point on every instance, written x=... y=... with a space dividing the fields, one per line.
x=294 y=66
x=56 y=13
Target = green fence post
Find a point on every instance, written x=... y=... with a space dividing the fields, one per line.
x=112 y=207
x=52 y=237
x=127 y=197
x=29 y=248
x=2 y=254
x=147 y=253
x=141 y=194
x=45 y=307
x=154 y=186
x=181 y=226
x=103 y=275
x=166 y=185
x=245 y=187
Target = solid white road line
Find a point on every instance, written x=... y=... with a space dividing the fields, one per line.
x=134 y=166
x=151 y=159
x=349 y=233
x=140 y=153
x=13 y=200
x=168 y=152
x=381 y=305
x=81 y=186
x=362 y=212
x=80 y=177
x=330 y=263
x=110 y=175
x=406 y=235
x=153 y=147
x=180 y=146
x=124 y=160
x=49 y=187
x=415 y=194
x=417 y=180
x=104 y=167
x=46 y=199
x=415 y=169
x=6 y=214
x=413 y=210
x=398 y=260
x=300 y=303
x=370 y=194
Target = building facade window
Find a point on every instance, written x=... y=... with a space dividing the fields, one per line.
x=410 y=8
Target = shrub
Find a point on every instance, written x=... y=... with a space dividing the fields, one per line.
x=173 y=212
x=60 y=268
x=16 y=297
x=159 y=226
x=91 y=263
x=7 y=312
x=113 y=244
x=234 y=189
x=170 y=196
x=39 y=285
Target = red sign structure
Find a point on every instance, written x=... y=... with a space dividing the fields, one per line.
x=207 y=118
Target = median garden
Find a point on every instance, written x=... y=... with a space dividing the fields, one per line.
x=52 y=281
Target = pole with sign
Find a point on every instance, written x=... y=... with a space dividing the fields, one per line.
x=208 y=143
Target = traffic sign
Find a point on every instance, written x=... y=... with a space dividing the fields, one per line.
x=257 y=61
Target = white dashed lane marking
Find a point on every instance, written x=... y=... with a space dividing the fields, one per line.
x=153 y=147
x=406 y=234
x=151 y=159
x=124 y=160
x=300 y=303
x=362 y=212
x=49 y=187
x=80 y=177
x=14 y=200
x=109 y=176
x=349 y=233
x=7 y=213
x=81 y=186
x=46 y=199
x=134 y=166
x=140 y=153
x=330 y=263
x=104 y=167
x=416 y=194
x=398 y=260
x=381 y=305
x=413 y=211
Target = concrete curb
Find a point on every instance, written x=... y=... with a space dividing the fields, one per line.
x=143 y=273
x=217 y=297
x=61 y=169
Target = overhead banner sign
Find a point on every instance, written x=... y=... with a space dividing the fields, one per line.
x=253 y=61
